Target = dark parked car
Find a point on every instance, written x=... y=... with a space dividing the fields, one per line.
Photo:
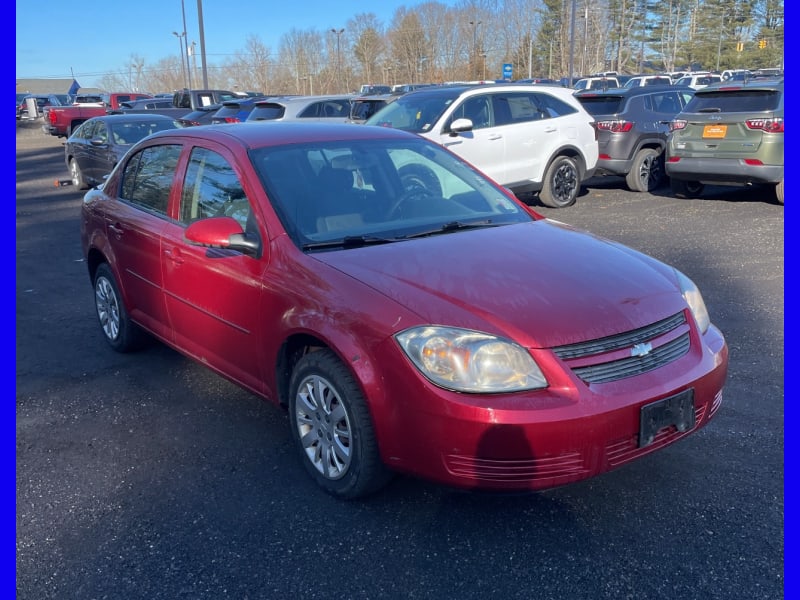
x=201 y=116
x=145 y=104
x=731 y=133
x=94 y=148
x=363 y=107
x=234 y=111
x=632 y=127
x=410 y=314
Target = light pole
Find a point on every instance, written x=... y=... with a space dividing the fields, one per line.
x=338 y=33
x=186 y=46
x=475 y=43
x=180 y=37
x=484 y=54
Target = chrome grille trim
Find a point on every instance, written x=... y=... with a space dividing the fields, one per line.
x=635 y=365
x=622 y=340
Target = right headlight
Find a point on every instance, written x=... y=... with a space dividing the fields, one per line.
x=470 y=361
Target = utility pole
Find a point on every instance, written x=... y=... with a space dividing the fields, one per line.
x=186 y=45
x=338 y=33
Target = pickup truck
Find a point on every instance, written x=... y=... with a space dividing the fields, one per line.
x=61 y=121
x=187 y=101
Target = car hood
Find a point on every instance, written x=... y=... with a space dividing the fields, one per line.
x=543 y=283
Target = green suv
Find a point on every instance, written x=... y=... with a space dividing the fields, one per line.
x=730 y=133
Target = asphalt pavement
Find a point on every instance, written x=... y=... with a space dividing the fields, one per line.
x=146 y=476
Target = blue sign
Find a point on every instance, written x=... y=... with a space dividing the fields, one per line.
x=507 y=70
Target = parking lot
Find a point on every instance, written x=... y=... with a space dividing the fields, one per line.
x=147 y=476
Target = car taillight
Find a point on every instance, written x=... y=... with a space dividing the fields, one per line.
x=769 y=125
x=232 y=120
x=615 y=126
x=676 y=125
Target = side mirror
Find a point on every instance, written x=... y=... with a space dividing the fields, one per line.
x=460 y=125
x=98 y=142
x=222 y=232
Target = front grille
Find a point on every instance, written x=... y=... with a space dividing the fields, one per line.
x=603 y=370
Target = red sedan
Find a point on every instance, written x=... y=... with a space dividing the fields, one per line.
x=410 y=314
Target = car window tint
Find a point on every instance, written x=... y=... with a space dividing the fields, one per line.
x=602 y=105
x=212 y=188
x=267 y=112
x=101 y=132
x=667 y=103
x=86 y=130
x=735 y=101
x=552 y=106
x=147 y=179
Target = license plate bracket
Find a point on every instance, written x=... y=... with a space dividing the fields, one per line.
x=677 y=410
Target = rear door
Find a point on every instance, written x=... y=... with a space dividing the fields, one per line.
x=134 y=224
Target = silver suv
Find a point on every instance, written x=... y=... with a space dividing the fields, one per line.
x=632 y=127
x=525 y=137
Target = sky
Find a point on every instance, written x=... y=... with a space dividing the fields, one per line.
x=97 y=36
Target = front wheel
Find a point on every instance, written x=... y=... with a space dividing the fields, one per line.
x=332 y=428
x=779 y=192
x=647 y=171
x=77 y=175
x=686 y=189
x=120 y=332
x=561 y=183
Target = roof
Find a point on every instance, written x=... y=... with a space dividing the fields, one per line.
x=47 y=86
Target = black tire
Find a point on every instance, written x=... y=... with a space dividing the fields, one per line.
x=122 y=334
x=779 y=192
x=647 y=171
x=561 y=183
x=686 y=189
x=77 y=175
x=332 y=428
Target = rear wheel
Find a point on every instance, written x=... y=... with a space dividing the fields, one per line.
x=686 y=189
x=120 y=332
x=561 y=183
x=779 y=192
x=647 y=171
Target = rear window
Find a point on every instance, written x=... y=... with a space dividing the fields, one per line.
x=602 y=105
x=267 y=112
x=734 y=101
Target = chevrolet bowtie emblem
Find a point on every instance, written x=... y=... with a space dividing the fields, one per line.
x=642 y=349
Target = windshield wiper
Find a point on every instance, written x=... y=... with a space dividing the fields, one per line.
x=454 y=226
x=350 y=241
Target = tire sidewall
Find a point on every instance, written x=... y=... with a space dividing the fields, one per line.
x=547 y=195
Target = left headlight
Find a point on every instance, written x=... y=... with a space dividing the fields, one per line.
x=470 y=361
x=694 y=298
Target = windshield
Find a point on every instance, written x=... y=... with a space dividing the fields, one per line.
x=349 y=193
x=414 y=112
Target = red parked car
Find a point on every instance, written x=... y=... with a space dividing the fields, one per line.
x=410 y=314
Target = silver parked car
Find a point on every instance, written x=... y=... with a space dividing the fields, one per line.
x=332 y=108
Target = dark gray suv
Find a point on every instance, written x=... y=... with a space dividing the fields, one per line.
x=632 y=127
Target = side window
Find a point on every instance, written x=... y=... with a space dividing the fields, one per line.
x=685 y=97
x=552 y=106
x=477 y=110
x=101 y=131
x=667 y=103
x=523 y=107
x=212 y=189
x=86 y=131
x=311 y=111
x=147 y=178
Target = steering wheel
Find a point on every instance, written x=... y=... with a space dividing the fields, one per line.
x=419 y=184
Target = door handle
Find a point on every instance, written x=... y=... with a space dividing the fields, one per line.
x=175 y=255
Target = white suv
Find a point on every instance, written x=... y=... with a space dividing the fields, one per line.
x=525 y=137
